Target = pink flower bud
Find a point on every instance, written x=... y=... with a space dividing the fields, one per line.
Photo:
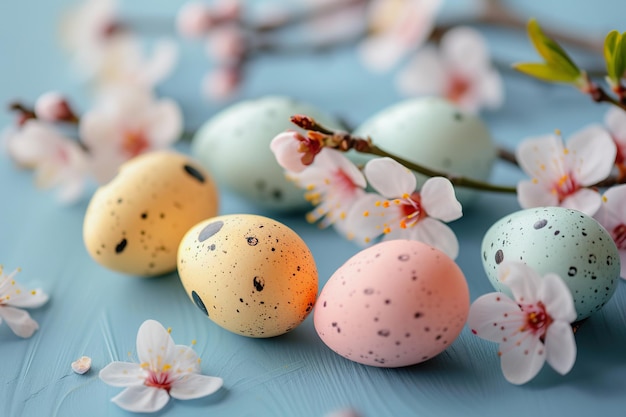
x=221 y=84
x=227 y=44
x=286 y=148
x=228 y=10
x=53 y=107
x=194 y=20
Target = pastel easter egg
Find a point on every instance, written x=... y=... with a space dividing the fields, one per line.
x=134 y=223
x=561 y=241
x=436 y=134
x=397 y=303
x=249 y=274
x=234 y=146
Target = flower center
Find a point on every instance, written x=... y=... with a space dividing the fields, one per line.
x=457 y=88
x=412 y=210
x=564 y=187
x=537 y=319
x=134 y=142
x=159 y=379
x=619 y=236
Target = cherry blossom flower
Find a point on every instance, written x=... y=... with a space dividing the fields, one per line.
x=400 y=212
x=561 y=174
x=398 y=27
x=333 y=183
x=460 y=71
x=13 y=297
x=196 y=19
x=615 y=121
x=532 y=328
x=612 y=216
x=58 y=161
x=165 y=370
x=348 y=20
x=293 y=151
x=227 y=44
x=127 y=123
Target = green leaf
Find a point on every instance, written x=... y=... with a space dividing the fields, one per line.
x=615 y=55
x=551 y=51
x=547 y=72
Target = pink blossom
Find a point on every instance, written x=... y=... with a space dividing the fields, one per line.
x=128 y=123
x=57 y=160
x=227 y=44
x=398 y=27
x=531 y=329
x=194 y=19
x=293 y=151
x=561 y=175
x=459 y=71
x=615 y=121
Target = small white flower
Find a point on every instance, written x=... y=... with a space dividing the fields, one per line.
x=57 y=160
x=81 y=365
x=332 y=184
x=532 y=328
x=127 y=123
x=397 y=27
x=400 y=212
x=460 y=71
x=164 y=370
x=561 y=174
x=612 y=216
x=13 y=297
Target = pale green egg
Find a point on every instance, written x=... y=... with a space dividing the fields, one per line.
x=234 y=146
x=432 y=132
x=561 y=241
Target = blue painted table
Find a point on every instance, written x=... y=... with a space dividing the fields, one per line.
x=96 y=312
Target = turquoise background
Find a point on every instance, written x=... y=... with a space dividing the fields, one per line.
x=96 y=312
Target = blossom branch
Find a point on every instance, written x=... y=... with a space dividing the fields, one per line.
x=344 y=141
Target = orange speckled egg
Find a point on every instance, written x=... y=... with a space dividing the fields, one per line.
x=249 y=274
x=397 y=303
x=134 y=223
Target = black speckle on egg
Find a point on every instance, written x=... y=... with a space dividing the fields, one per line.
x=592 y=258
x=193 y=172
x=277 y=194
x=252 y=241
x=499 y=256
x=404 y=257
x=458 y=116
x=209 y=230
x=259 y=283
x=368 y=291
x=119 y=248
x=198 y=301
x=384 y=333
x=144 y=215
x=539 y=224
x=572 y=271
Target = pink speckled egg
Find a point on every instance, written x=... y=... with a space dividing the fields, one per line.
x=396 y=303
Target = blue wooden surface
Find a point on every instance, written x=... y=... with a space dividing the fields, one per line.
x=97 y=312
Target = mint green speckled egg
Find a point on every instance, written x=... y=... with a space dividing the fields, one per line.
x=234 y=146
x=557 y=240
x=432 y=132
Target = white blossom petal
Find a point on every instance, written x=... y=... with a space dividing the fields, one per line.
x=141 y=399
x=27 y=298
x=122 y=374
x=195 y=386
x=439 y=199
x=285 y=149
x=364 y=219
x=586 y=200
x=436 y=234
x=390 y=178
x=19 y=321
x=154 y=342
x=521 y=279
x=522 y=362
x=615 y=120
x=493 y=315
x=560 y=347
x=186 y=360
x=530 y=194
x=164 y=123
x=465 y=49
x=595 y=153
x=425 y=74
x=557 y=298
x=542 y=157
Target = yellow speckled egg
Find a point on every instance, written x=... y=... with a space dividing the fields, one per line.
x=249 y=274
x=135 y=223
